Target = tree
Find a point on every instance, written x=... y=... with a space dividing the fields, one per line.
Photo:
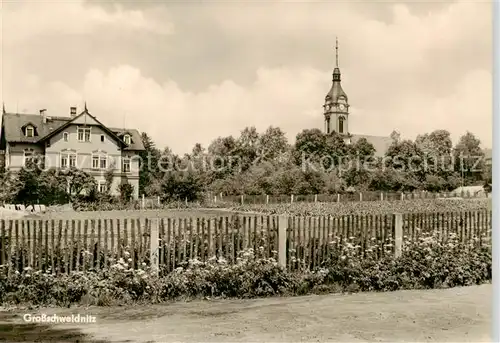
x=148 y=163
x=469 y=158
x=179 y=186
x=53 y=187
x=126 y=192
x=362 y=148
x=79 y=181
x=246 y=147
x=315 y=149
x=436 y=148
x=271 y=144
x=406 y=156
x=395 y=136
x=28 y=188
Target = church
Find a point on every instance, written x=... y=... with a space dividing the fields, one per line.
x=336 y=113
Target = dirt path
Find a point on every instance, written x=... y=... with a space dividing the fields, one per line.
x=453 y=315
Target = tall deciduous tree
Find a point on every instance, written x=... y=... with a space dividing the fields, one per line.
x=469 y=158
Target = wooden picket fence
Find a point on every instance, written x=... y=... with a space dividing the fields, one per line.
x=62 y=246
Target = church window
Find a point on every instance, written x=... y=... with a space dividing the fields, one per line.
x=341 y=125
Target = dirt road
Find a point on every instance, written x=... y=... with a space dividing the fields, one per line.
x=453 y=315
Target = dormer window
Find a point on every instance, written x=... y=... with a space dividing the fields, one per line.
x=126 y=139
x=30 y=131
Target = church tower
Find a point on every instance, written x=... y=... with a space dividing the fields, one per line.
x=336 y=107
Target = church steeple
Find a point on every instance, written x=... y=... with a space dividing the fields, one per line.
x=336 y=108
x=336 y=70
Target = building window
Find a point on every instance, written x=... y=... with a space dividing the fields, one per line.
x=72 y=161
x=66 y=136
x=83 y=134
x=28 y=156
x=103 y=162
x=102 y=186
x=126 y=139
x=68 y=160
x=64 y=161
x=341 y=125
x=126 y=165
x=102 y=138
x=95 y=162
x=30 y=131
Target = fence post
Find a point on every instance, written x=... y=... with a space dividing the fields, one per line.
x=267 y=198
x=397 y=233
x=381 y=196
x=315 y=197
x=291 y=199
x=402 y=196
x=142 y=201
x=338 y=197
x=282 y=227
x=360 y=196
x=215 y=198
x=159 y=203
x=154 y=245
x=242 y=200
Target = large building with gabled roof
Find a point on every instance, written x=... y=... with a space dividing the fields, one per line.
x=78 y=140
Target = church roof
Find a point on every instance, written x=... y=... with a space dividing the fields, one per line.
x=380 y=143
x=336 y=90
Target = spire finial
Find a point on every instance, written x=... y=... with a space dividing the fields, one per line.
x=336 y=52
x=85 y=108
x=3 y=108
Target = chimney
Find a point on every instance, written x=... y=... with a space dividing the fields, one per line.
x=44 y=117
x=72 y=112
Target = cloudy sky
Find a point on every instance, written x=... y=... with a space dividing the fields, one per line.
x=190 y=72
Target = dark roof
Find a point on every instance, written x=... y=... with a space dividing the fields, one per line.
x=380 y=143
x=13 y=124
x=136 y=141
x=336 y=89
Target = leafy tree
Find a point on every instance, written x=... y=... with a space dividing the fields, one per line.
x=79 y=181
x=271 y=144
x=362 y=148
x=28 y=188
x=108 y=177
x=53 y=187
x=436 y=148
x=126 y=192
x=469 y=158
x=181 y=186
x=148 y=165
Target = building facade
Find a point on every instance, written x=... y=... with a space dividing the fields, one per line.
x=78 y=140
x=336 y=111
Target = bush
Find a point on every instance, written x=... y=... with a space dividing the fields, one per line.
x=425 y=263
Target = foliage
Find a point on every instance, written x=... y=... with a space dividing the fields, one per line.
x=126 y=192
x=426 y=262
x=265 y=163
x=367 y=207
x=181 y=186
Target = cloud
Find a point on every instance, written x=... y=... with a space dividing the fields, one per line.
x=289 y=98
x=410 y=72
x=27 y=19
